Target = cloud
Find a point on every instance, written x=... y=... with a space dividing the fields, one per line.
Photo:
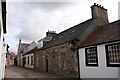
x=41 y=19
x=31 y=20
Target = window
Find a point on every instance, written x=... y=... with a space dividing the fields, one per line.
x=24 y=60
x=28 y=59
x=10 y=56
x=53 y=54
x=113 y=55
x=37 y=61
x=91 y=56
x=63 y=60
x=31 y=60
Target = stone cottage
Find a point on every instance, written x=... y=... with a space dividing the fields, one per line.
x=38 y=58
x=28 y=56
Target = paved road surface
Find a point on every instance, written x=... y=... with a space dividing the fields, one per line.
x=18 y=72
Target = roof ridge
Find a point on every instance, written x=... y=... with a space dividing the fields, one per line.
x=75 y=26
x=68 y=34
x=100 y=35
x=111 y=23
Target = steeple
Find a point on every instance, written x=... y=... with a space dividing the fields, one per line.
x=20 y=40
x=19 y=45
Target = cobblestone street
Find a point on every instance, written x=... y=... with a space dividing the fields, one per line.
x=18 y=72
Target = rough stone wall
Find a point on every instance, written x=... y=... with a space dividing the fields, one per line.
x=67 y=67
x=38 y=60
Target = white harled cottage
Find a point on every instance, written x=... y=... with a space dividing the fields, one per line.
x=3 y=45
x=99 y=54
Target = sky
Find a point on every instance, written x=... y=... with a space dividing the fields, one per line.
x=30 y=20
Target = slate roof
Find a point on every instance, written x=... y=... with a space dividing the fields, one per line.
x=45 y=39
x=104 y=34
x=68 y=34
x=31 y=51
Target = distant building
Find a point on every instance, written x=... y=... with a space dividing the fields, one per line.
x=28 y=56
x=10 y=58
x=49 y=36
x=38 y=58
x=15 y=60
x=22 y=48
x=31 y=46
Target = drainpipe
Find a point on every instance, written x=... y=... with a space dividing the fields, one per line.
x=78 y=63
x=76 y=46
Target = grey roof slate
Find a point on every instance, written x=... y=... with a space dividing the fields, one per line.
x=47 y=38
x=68 y=34
x=104 y=34
x=31 y=51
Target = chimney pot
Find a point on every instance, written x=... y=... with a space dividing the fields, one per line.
x=51 y=33
x=94 y=3
x=99 y=12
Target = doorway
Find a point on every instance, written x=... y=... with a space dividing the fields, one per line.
x=24 y=60
x=46 y=63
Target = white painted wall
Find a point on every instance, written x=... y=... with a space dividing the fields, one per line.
x=3 y=47
x=3 y=59
x=29 y=65
x=96 y=72
x=31 y=46
x=119 y=73
x=40 y=43
x=21 y=59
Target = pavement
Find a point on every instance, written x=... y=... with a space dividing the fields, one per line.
x=15 y=72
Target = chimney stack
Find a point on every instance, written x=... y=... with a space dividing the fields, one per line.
x=50 y=33
x=99 y=11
